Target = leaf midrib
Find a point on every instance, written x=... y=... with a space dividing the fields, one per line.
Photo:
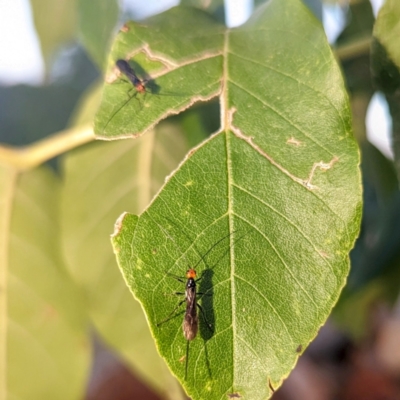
x=225 y=124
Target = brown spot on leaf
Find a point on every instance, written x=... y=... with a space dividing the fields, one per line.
x=299 y=348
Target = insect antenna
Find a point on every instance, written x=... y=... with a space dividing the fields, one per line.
x=211 y=248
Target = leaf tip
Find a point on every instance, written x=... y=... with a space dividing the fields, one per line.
x=117 y=231
x=124 y=229
x=118 y=225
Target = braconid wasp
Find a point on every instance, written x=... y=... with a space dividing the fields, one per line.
x=190 y=325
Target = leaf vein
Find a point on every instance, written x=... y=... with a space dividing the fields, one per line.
x=296 y=80
x=269 y=303
x=288 y=220
x=283 y=117
x=281 y=258
x=254 y=352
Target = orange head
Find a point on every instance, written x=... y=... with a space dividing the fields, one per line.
x=191 y=273
x=140 y=87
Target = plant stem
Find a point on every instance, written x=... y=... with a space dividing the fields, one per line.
x=27 y=157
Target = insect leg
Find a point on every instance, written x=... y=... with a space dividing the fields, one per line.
x=178 y=278
x=175 y=294
x=171 y=315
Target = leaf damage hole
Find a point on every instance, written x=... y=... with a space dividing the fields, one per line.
x=235 y=395
x=323 y=167
x=169 y=64
x=249 y=139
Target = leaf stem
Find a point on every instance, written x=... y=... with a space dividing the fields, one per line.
x=27 y=157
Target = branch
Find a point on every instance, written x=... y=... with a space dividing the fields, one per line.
x=27 y=157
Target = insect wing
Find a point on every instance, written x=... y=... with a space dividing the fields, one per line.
x=190 y=324
x=129 y=72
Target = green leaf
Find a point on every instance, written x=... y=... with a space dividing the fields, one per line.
x=387 y=29
x=55 y=23
x=266 y=210
x=97 y=20
x=385 y=61
x=44 y=332
x=96 y=191
x=214 y=7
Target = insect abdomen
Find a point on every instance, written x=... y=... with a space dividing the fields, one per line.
x=190 y=325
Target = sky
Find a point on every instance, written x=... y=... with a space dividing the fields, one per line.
x=21 y=61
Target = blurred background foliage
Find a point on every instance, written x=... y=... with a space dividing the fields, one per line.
x=75 y=37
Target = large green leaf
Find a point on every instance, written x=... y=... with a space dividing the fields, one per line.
x=268 y=208
x=43 y=330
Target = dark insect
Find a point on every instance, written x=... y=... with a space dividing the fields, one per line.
x=138 y=84
x=190 y=325
x=129 y=72
x=142 y=86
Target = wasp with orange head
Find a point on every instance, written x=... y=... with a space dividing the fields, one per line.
x=138 y=84
x=129 y=72
x=190 y=325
